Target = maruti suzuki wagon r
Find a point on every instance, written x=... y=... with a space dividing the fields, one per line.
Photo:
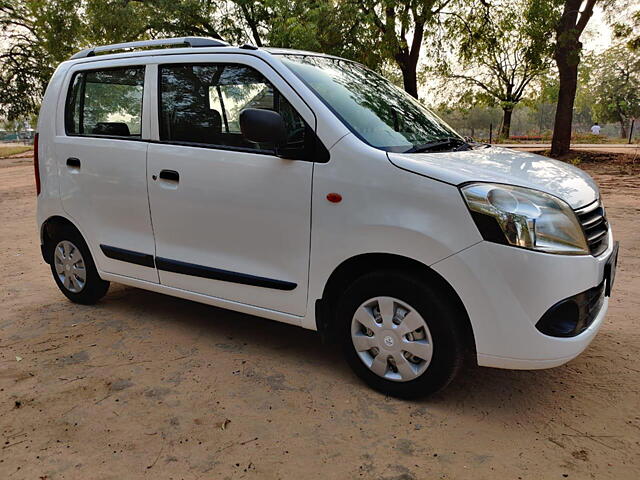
x=307 y=189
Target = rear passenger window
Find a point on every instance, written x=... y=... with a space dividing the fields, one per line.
x=106 y=103
x=201 y=104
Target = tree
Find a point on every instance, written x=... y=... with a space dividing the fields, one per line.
x=615 y=86
x=627 y=28
x=394 y=22
x=325 y=26
x=495 y=50
x=34 y=37
x=568 y=29
x=473 y=120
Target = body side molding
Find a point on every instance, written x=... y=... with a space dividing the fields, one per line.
x=185 y=268
x=138 y=258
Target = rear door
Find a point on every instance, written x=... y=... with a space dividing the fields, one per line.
x=101 y=148
x=231 y=219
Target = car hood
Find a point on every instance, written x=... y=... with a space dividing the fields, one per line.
x=502 y=165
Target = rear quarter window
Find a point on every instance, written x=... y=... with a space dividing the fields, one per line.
x=105 y=103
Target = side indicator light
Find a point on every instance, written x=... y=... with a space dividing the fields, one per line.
x=334 y=197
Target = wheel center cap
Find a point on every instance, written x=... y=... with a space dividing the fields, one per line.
x=68 y=267
x=388 y=341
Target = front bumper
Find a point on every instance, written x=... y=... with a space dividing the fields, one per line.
x=507 y=290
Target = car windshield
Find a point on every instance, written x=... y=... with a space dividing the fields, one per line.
x=373 y=108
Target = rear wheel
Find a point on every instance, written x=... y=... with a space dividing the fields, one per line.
x=400 y=335
x=73 y=268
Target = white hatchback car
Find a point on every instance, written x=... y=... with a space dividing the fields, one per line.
x=307 y=189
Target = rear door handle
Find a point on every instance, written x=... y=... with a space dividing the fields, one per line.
x=73 y=162
x=170 y=175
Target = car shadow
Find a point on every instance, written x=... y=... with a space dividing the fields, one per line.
x=505 y=392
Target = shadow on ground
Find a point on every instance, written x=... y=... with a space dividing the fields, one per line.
x=482 y=388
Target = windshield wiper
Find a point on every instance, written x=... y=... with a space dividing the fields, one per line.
x=457 y=143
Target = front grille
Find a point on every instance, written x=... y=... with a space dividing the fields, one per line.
x=595 y=226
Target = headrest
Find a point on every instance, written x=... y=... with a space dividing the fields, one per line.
x=116 y=129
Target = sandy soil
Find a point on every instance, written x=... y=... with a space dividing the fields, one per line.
x=148 y=386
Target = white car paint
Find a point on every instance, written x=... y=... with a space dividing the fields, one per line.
x=500 y=165
x=270 y=217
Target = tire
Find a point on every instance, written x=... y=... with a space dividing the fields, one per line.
x=70 y=261
x=441 y=338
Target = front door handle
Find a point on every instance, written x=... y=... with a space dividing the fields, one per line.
x=170 y=175
x=73 y=162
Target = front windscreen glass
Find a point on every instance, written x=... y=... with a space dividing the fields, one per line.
x=371 y=107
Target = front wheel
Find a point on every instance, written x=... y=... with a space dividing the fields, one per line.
x=73 y=268
x=400 y=335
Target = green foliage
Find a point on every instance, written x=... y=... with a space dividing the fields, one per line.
x=496 y=50
x=35 y=35
x=626 y=27
x=323 y=25
x=398 y=29
x=614 y=85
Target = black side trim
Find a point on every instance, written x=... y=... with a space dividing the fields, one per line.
x=217 y=274
x=144 y=259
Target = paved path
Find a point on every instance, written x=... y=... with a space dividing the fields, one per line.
x=594 y=147
x=573 y=145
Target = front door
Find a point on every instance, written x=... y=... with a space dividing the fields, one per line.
x=102 y=160
x=231 y=219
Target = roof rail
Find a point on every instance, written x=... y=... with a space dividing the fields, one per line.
x=188 y=41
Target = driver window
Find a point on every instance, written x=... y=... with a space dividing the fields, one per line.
x=201 y=104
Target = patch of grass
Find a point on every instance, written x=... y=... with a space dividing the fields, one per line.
x=7 y=151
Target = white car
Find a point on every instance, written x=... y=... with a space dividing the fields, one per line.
x=307 y=189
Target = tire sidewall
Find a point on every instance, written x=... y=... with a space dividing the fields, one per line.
x=434 y=308
x=94 y=287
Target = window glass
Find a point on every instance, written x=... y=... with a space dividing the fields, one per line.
x=106 y=102
x=202 y=104
x=378 y=112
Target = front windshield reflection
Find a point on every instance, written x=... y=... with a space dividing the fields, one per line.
x=371 y=107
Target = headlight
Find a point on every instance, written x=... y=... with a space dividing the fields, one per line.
x=525 y=218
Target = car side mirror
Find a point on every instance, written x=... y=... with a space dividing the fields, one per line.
x=262 y=126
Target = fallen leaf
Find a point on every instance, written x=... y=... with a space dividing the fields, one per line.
x=18 y=358
x=224 y=424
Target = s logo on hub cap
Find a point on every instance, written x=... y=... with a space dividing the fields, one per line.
x=388 y=341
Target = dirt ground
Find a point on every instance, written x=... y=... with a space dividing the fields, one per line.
x=148 y=386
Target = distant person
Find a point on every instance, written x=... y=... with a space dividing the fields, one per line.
x=595 y=129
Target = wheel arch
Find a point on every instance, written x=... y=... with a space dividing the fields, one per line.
x=354 y=267
x=49 y=227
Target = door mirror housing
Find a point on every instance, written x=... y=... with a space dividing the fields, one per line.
x=262 y=126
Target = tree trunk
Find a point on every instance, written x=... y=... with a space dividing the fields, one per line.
x=410 y=80
x=506 y=123
x=561 y=141
x=567 y=56
x=407 y=59
x=623 y=129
